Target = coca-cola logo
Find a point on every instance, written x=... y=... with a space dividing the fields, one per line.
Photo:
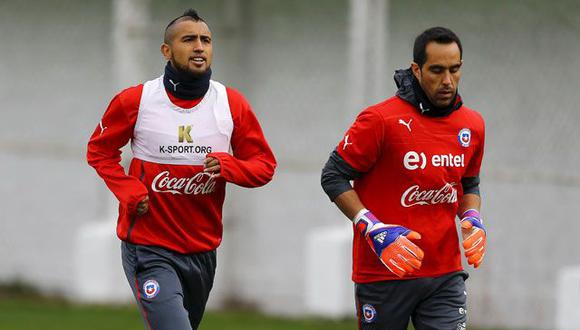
x=201 y=183
x=415 y=196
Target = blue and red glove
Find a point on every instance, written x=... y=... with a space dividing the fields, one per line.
x=391 y=243
x=474 y=237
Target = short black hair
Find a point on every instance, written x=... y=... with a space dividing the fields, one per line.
x=437 y=34
x=188 y=15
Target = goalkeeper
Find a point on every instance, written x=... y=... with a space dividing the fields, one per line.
x=414 y=160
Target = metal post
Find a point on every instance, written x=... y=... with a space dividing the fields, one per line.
x=131 y=19
x=368 y=56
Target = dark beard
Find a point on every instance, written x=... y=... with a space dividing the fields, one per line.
x=184 y=70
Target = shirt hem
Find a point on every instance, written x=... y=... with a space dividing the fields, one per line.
x=370 y=278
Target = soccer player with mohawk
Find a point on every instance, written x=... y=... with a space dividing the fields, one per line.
x=189 y=136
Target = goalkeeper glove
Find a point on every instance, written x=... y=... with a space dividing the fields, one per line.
x=390 y=243
x=474 y=237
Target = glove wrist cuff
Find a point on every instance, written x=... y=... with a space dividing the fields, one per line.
x=471 y=213
x=359 y=215
x=364 y=220
x=473 y=216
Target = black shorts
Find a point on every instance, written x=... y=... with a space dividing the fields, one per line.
x=171 y=289
x=430 y=303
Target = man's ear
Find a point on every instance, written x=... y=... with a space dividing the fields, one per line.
x=416 y=70
x=166 y=51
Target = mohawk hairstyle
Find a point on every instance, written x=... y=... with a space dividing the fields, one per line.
x=188 y=15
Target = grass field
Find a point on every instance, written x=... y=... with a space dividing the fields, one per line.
x=25 y=314
x=28 y=314
x=22 y=307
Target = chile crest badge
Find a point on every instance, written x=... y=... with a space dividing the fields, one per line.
x=151 y=289
x=464 y=137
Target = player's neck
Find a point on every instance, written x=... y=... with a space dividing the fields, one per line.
x=185 y=86
x=428 y=108
x=410 y=90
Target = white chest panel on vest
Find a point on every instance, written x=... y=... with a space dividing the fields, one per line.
x=167 y=134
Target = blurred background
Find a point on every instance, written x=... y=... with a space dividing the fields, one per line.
x=307 y=68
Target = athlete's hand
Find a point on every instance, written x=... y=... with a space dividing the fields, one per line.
x=212 y=166
x=391 y=243
x=474 y=237
x=143 y=206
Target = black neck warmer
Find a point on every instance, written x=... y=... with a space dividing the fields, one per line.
x=411 y=91
x=185 y=85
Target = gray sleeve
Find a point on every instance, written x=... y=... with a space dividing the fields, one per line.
x=470 y=185
x=336 y=176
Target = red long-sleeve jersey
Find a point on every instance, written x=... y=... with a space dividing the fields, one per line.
x=170 y=137
x=412 y=169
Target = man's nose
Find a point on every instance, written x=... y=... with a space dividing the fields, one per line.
x=447 y=78
x=198 y=45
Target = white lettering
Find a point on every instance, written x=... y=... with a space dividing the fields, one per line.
x=414 y=196
x=436 y=160
x=413 y=160
x=410 y=161
x=201 y=183
x=445 y=160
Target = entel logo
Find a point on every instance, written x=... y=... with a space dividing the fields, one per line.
x=414 y=160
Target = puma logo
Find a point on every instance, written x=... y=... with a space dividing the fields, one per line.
x=103 y=128
x=408 y=125
x=174 y=85
x=346 y=143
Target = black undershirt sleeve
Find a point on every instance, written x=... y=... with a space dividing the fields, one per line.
x=470 y=185
x=336 y=176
